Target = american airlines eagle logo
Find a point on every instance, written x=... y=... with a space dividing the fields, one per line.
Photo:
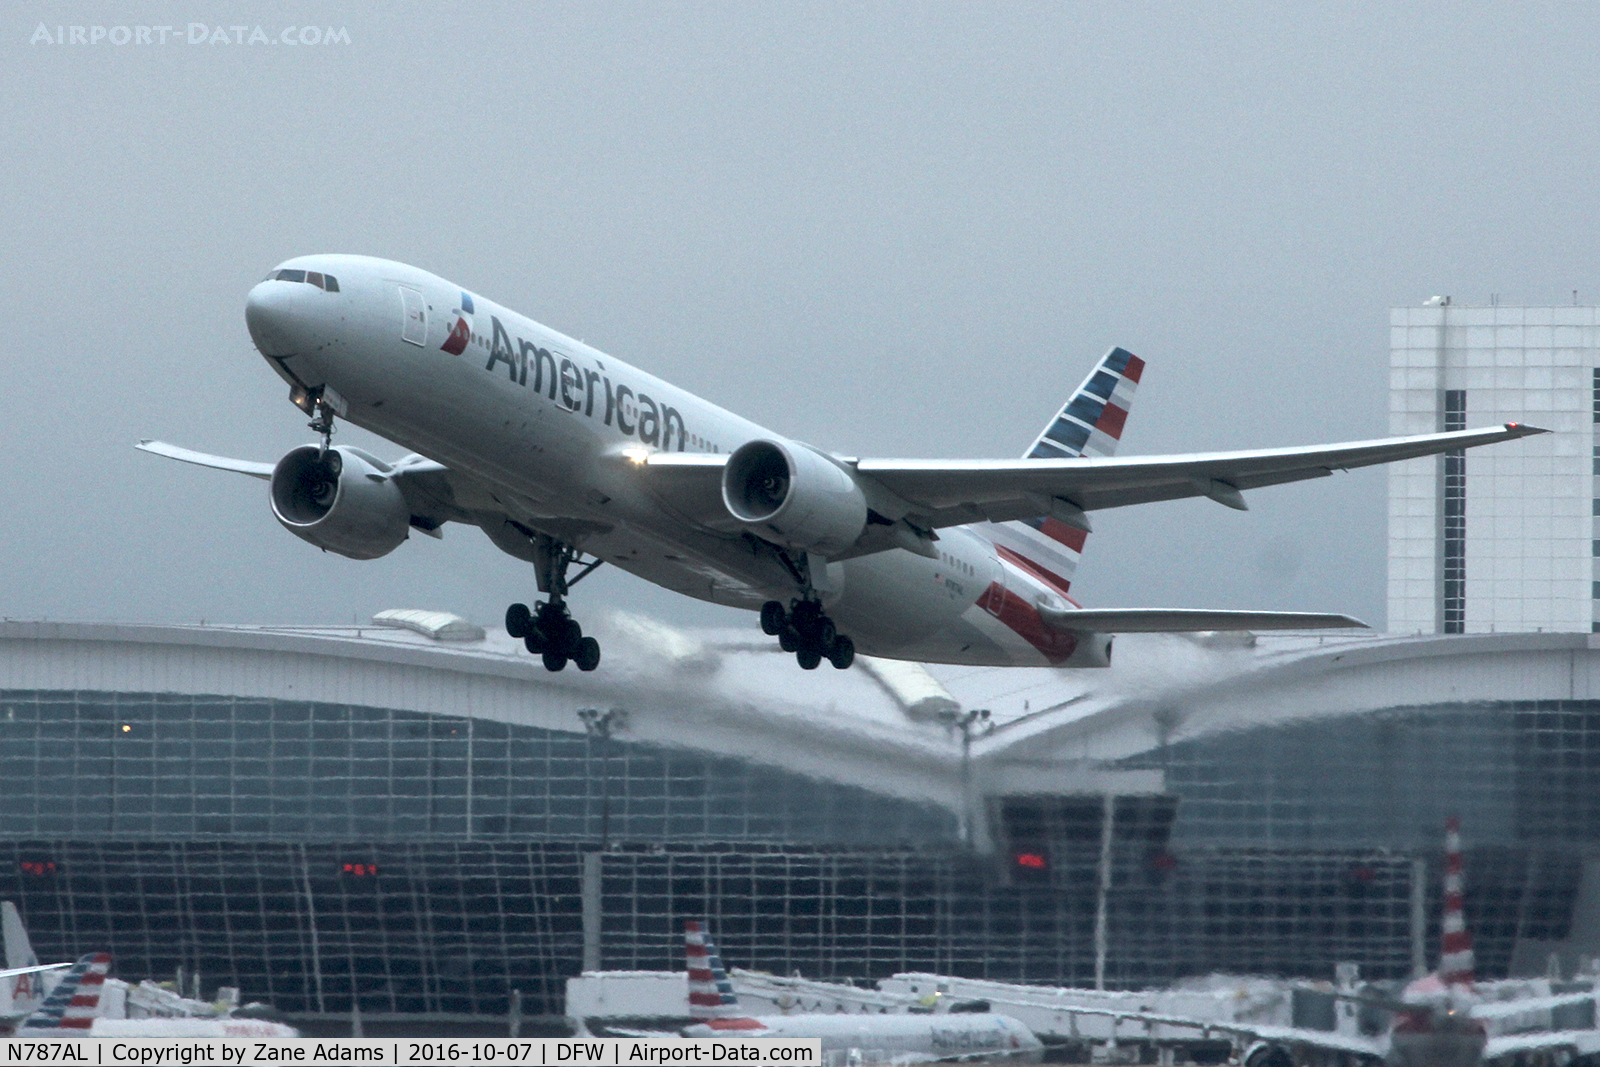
x=456 y=343
x=461 y=335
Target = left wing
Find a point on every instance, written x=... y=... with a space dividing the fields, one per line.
x=953 y=492
x=1189 y=620
x=202 y=459
x=913 y=496
x=13 y=972
x=1289 y=1035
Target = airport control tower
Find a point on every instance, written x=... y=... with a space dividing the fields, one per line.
x=1501 y=539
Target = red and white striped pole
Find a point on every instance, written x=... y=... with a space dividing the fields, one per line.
x=1455 y=950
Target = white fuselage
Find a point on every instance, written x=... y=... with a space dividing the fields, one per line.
x=895 y=1038
x=544 y=424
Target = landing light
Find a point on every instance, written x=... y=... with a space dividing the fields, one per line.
x=637 y=455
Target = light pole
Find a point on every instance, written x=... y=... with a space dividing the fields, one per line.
x=974 y=719
x=598 y=725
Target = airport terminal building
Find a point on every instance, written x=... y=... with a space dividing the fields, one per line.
x=424 y=819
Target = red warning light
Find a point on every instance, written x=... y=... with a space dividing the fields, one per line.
x=361 y=870
x=38 y=868
x=1031 y=860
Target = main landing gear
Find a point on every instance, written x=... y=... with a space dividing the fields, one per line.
x=548 y=628
x=808 y=633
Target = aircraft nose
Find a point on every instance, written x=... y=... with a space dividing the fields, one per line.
x=276 y=316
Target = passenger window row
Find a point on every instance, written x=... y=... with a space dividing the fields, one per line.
x=316 y=278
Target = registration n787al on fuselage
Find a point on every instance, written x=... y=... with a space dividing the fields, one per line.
x=568 y=458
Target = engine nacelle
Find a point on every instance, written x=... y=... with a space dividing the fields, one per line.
x=793 y=496
x=340 y=502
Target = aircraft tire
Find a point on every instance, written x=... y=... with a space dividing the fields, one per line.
x=789 y=640
x=533 y=642
x=809 y=658
x=555 y=661
x=826 y=633
x=519 y=620
x=772 y=618
x=843 y=653
x=587 y=657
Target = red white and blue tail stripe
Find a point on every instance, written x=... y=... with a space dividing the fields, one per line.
x=710 y=993
x=75 y=1001
x=1088 y=425
x=1456 y=963
x=711 y=996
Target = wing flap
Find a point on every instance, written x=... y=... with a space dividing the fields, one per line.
x=1189 y=620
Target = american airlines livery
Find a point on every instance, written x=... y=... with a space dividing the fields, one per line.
x=847 y=1038
x=568 y=458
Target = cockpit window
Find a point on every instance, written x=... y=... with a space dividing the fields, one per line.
x=313 y=277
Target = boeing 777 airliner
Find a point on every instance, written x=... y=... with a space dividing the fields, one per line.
x=569 y=458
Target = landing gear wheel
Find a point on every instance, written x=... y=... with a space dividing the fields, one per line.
x=519 y=621
x=809 y=659
x=825 y=633
x=788 y=640
x=548 y=628
x=842 y=654
x=772 y=618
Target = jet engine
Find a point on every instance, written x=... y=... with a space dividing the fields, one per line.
x=794 y=496
x=339 y=501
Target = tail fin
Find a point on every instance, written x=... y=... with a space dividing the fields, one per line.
x=75 y=1001
x=711 y=995
x=19 y=953
x=1455 y=949
x=1088 y=425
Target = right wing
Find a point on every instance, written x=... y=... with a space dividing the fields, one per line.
x=434 y=493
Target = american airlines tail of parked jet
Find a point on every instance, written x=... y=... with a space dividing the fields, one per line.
x=568 y=458
x=894 y=1038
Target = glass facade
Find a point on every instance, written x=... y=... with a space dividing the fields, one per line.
x=120 y=765
x=313 y=853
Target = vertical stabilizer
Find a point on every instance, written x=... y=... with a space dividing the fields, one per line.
x=19 y=953
x=1455 y=949
x=711 y=995
x=75 y=1001
x=1089 y=425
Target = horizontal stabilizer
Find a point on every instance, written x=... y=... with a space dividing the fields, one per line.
x=221 y=463
x=1189 y=620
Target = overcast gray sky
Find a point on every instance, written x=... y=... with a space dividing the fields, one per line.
x=888 y=229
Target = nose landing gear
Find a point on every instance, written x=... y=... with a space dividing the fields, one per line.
x=808 y=633
x=548 y=628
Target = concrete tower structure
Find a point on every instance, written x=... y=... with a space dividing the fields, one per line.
x=1502 y=539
